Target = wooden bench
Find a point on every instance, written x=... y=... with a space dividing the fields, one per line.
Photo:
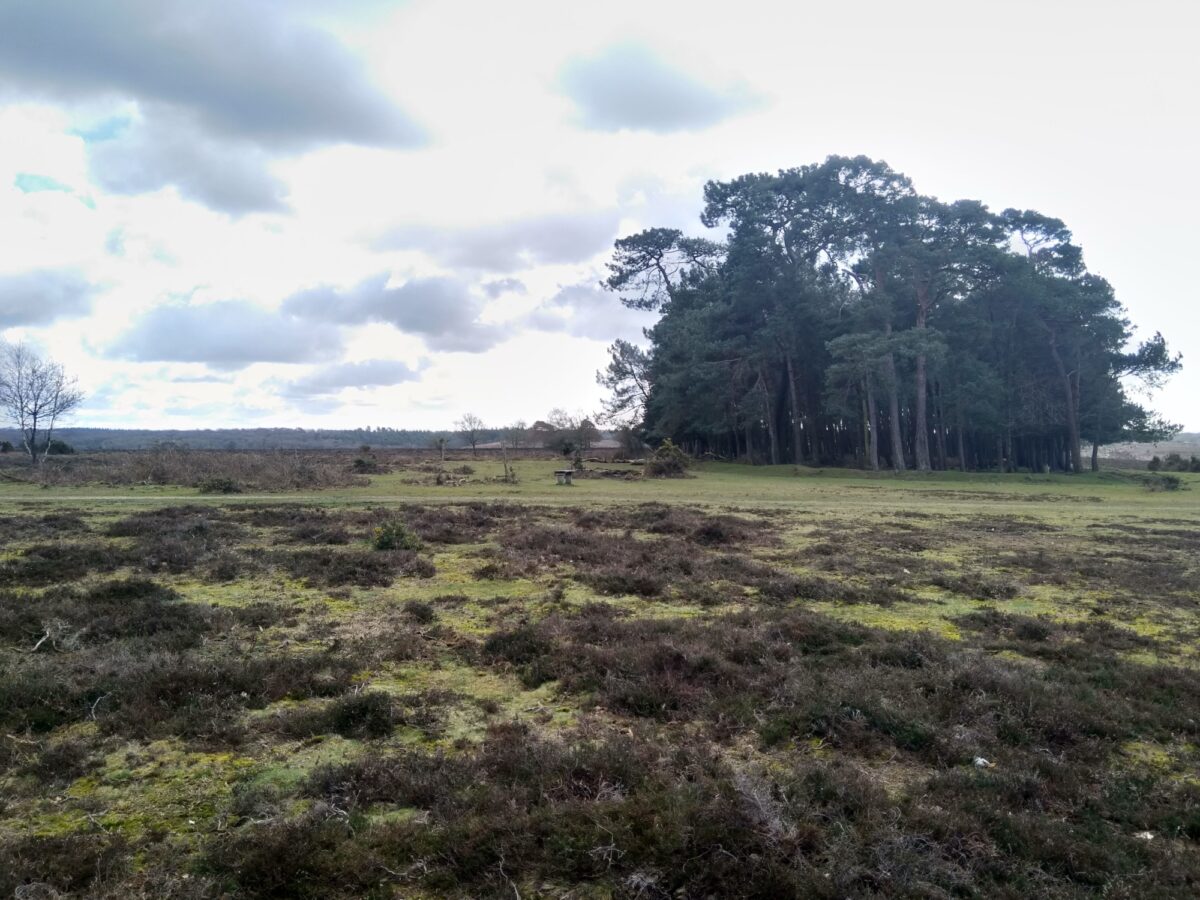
x=563 y=476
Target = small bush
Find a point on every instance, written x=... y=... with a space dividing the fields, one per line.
x=366 y=714
x=1162 y=482
x=668 y=461
x=363 y=466
x=1175 y=463
x=420 y=611
x=395 y=535
x=326 y=567
x=218 y=485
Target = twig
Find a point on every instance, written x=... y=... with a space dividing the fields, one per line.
x=500 y=864
x=92 y=714
x=45 y=637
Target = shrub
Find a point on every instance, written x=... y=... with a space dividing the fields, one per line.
x=364 y=466
x=420 y=611
x=58 y=562
x=1155 y=464
x=1162 y=482
x=668 y=461
x=67 y=862
x=218 y=485
x=395 y=535
x=326 y=567
x=365 y=714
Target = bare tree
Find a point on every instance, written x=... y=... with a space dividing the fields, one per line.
x=34 y=394
x=517 y=434
x=470 y=426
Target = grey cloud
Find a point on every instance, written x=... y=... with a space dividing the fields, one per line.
x=503 y=286
x=220 y=87
x=250 y=69
x=200 y=379
x=584 y=310
x=510 y=246
x=40 y=296
x=442 y=311
x=369 y=373
x=628 y=87
x=167 y=148
x=230 y=334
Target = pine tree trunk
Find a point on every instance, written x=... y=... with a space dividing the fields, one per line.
x=962 y=449
x=769 y=418
x=920 y=409
x=941 y=428
x=797 y=425
x=873 y=428
x=897 y=441
x=920 y=418
x=1071 y=398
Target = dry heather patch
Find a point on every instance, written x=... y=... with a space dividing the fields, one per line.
x=594 y=718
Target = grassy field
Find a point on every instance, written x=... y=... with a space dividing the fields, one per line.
x=760 y=682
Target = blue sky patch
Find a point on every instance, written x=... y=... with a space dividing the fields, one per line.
x=30 y=184
x=104 y=130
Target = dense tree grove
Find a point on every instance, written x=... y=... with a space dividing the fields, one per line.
x=847 y=318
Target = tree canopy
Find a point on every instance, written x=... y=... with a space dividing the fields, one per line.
x=846 y=318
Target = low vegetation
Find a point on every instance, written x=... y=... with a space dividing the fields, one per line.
x=960 y=689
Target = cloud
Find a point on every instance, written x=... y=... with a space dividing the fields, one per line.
x=552 y=239
x=368 y=373
x=230 y=334
x=43 y=295
x=200 y=379
x=441 y=311
x=628 y=87
x=167 y=148
x=249 y=70
x=503 y=286
x=584 y=310
x=219 y=86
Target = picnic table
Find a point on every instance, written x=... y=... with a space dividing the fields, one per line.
x=563 y=476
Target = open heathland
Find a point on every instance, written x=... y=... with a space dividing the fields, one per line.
x=763 y=682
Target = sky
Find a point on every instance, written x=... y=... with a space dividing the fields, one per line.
x=303 y=214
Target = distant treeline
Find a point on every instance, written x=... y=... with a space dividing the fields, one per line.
x=848 y=319
x=253 y=438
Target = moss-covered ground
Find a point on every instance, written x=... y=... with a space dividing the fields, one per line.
x=750 y=682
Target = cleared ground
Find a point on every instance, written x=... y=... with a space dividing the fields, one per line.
x=753 y=682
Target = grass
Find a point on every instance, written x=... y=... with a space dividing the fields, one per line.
x=751 y=682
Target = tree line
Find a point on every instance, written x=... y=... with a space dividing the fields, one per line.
x=848 y=319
